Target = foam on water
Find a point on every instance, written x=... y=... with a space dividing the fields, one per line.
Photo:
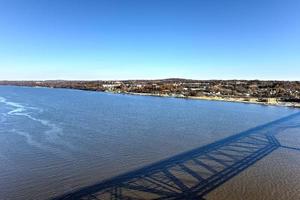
x=52 y=134
x=28 y=138
x=2 y=99
x=30 y=141
x=17 y=107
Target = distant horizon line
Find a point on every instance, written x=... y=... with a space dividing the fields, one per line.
x=155 y=79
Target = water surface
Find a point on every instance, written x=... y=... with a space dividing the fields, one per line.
x=53 y=141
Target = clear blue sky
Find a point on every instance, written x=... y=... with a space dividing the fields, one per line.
x=137 y=39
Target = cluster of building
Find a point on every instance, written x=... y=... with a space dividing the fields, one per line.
x=284 y=90
x=288 y=91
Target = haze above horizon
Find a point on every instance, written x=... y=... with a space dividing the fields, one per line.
x=133 y=39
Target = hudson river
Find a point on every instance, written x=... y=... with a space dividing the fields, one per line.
x=55 y=141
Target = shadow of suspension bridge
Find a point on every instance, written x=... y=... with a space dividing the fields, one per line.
x=192 y=174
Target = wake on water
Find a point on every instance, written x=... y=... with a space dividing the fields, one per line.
x=52 y=134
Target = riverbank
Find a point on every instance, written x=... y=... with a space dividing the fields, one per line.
x=269 y=102
x=250 y=100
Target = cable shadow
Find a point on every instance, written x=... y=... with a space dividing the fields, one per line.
x=193 y=174
x=291 y=148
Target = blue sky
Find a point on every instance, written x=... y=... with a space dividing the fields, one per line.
x=147 y=39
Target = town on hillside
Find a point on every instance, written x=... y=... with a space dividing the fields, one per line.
x=255 y=91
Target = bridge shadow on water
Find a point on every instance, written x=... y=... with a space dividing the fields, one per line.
x=192 y=174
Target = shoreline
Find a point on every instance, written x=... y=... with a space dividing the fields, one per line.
x=231 y=99
x=251 y=100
